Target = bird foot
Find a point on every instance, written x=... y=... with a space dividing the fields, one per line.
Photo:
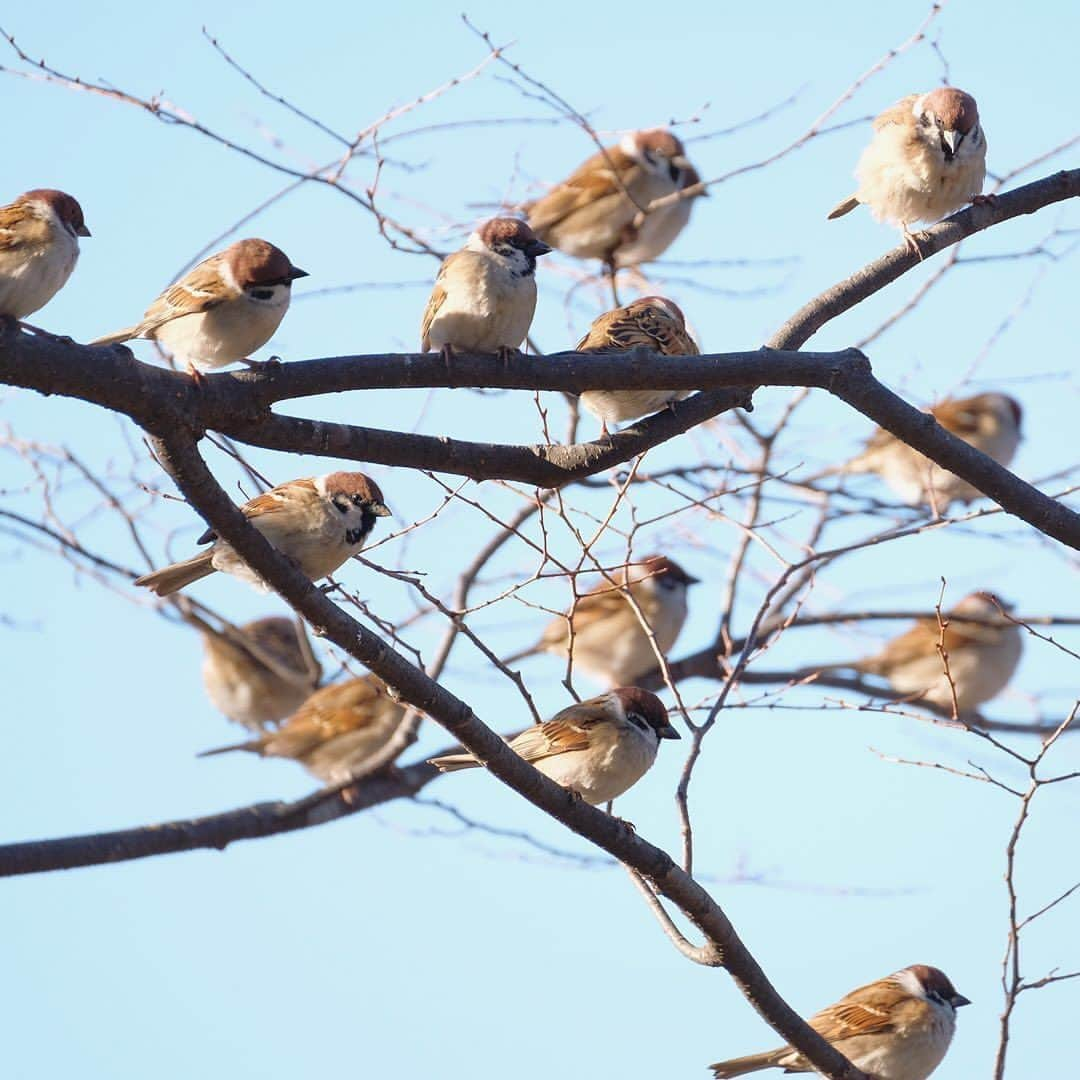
x=260 y=365
x=506 y=353
x=38 y=332
x=911 y=242
x=447 y=354
x=984 y=200
x=197 y=376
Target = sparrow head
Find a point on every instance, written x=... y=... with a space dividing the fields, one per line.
x=645 y=711
x=261 y=271
x=511 y=240
x=357 y=498
x=658 y=152
x=1003 y=412
x=949 y=118
x=667 y=575
x=64 y=207
x=981 y=604
x=665 y=308
x=931 y=983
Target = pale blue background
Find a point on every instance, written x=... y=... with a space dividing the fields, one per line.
x=361 y=949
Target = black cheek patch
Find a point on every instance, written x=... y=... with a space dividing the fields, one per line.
x=355 y=536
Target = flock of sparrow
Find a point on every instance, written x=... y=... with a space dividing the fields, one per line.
x=925 y=160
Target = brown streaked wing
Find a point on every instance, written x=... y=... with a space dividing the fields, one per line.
x=862 y=1012
x=594 y=179
x=918 y=641
x=566 y=731
x=957 y=416
x=198 y=291
x=328 y=713
x=435 y=301
x=900 y=113
x=595 y=606
x=271 y=501
x=621 y=329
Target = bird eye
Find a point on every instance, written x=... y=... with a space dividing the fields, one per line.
x=358 y=500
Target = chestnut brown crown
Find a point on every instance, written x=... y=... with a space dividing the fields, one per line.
x=637 y=702
x=65 y=206
x=955 y=109
x=258 y=262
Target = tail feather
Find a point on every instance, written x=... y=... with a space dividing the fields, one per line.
x=454 y=762
x=170 y=579
x=724 y=1070
x=120 y=335
x=253 y=747
x=842 y=208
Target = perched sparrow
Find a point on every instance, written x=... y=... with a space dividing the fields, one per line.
x=334 y=733
x=39 y=245
x=927 y=158
x=263 y=674
x=485 y=294
x=652 y=322
x=597 y=748
x=318 y=522
x=989 y=422
x=897 y=1028
x=982 y=656
x=661 y=227
x=221 y=311
x=592 y=214
x=609 y=641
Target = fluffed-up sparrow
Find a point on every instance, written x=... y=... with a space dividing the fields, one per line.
x=334 y=733
x=897 y=1028
x=989 y=422
x=592 y=214
x=258 y=673
x=223 y=310
x=318 y=522
x=653 y=322
x=661 y=227
x=485 y=294
x=926 y=159
x=607 y=637
x=982 y=656
x=39 y=246
x=597 y=748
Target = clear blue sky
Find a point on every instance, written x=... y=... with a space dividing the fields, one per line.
x=388 y=945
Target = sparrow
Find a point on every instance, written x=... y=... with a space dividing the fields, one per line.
x=897 y=1028
x=39 y=246
x=989 y=422
x=318 y=522
x=334 y=733
x=597 y=749
x=653 y=322
x=594 y=213
x=926 y=159
x=261 y=675
x=485 y=294
x=609 y=642
x=227 y=307
x=660 y=228
x=982 y=655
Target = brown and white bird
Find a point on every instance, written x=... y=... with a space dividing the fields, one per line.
x=897 y=1028
x=485 y=294
x=653 y=322
x=597 y=748
x=261 y=674
x=926 y=159
x=661 y=227
x=594 y=213
x=223 y=310
x=39 y=246
x=983 y=655
x=608 y=639
x=336 y=731
x=318 y=522
x=989 y=422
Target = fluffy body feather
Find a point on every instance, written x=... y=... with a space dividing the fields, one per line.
x=226 y=308
x=660 y=228
x=336 y=731
x=897 y=1028
x=39 y=246
x=653 y=322
x=589 y=214
x=926 y=159
x=485 y=294
x=318 y=522
x=597 y=748
x=989 y=422
x=261 y=677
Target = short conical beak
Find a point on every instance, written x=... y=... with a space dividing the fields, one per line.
x=380 y=510
x=296 y=272
x=952 y=140
x=668 y=732
x=691 y=580
x=82 y=230
x=959 y=1000
x=537 y=247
